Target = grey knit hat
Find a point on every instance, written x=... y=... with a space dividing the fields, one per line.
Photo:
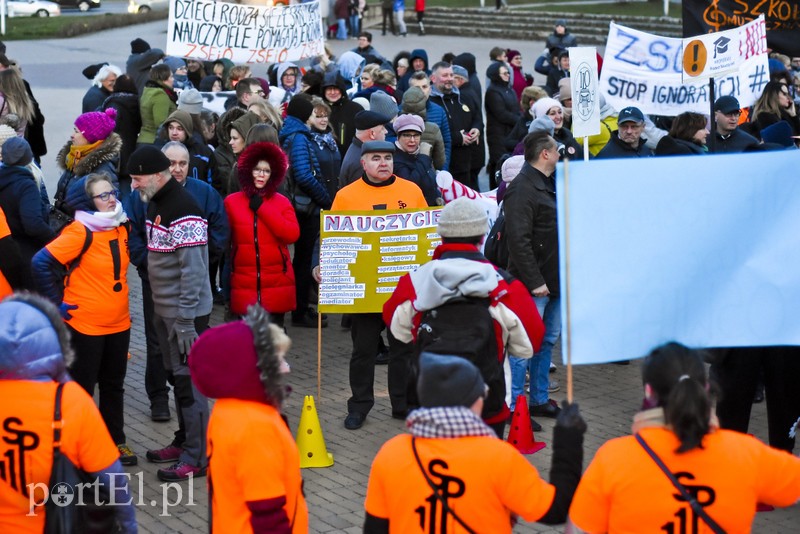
x=463 y=217
x=17 y=151
x=414 y=101
x=448 y=381
x=542 y=124
x=384 y=104
x=458 y=70
x=190 y=101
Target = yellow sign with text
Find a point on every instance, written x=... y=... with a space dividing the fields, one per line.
x=363 y=254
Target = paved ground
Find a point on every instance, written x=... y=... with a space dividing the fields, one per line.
x=609 y=395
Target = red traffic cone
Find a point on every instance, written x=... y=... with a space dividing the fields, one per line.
x=521 y=434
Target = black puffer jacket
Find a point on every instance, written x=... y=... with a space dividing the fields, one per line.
x=343 y=113
x=418 y=168
x=532 y=229
x=129 y=122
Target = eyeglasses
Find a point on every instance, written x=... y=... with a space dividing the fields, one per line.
x=108 y=194
x=410 y=135
x=262 y=172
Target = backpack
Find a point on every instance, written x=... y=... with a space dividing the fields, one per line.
x=464 y=327
x=496 y=247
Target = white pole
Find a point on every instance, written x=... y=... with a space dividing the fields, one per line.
x=3 y=17
x=666 y=8
x=585 y=148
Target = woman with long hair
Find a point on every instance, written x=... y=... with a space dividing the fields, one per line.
x=687 y=135
x=263 y=225
x=727 y=473
x=157 y=103
x=775 y=104
x=15 y=99
x=93 y=296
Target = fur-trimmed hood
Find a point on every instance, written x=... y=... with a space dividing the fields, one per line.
x=248 y=160
x=108 y=150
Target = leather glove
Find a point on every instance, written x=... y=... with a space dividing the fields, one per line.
x=64 y=309
x=255 y=202
x=570 y=417
x=185 y=335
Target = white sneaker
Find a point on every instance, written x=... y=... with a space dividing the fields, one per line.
x=553 y=367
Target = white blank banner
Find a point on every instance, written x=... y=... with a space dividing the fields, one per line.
x=704 y=250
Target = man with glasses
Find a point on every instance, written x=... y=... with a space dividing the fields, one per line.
x=728 y=137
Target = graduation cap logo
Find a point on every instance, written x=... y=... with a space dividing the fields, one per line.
x=721 y=46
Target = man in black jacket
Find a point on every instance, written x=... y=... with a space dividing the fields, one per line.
x=627 y=141
x=728 y=137
x=464 y=118
x=532 y=237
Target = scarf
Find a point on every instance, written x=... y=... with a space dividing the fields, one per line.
x=324 y=139
x=76 y=153
x=400 y=148
x=101 y=221
x=446 y=422
x=654 y=417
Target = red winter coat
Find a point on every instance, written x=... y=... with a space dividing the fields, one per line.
x=261 y=266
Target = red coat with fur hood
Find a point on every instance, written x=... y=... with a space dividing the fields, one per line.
x=261 y=267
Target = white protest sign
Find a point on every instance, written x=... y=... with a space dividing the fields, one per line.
x=716 y=54
x=644 y=70
x=585 y=95
x=208 y=30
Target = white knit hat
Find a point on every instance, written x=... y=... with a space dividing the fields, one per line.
x=6 y=133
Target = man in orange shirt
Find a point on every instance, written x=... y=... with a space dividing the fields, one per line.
x=452 y=474
x=377 y=189
x=253 y=463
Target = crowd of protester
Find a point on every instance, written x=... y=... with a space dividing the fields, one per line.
x=221 y=206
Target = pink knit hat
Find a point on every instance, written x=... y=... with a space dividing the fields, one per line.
x=97 y=125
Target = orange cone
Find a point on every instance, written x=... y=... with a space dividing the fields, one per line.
x=521 y=434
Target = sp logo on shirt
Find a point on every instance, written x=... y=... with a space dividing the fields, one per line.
x=433 y=518
x=686 y=520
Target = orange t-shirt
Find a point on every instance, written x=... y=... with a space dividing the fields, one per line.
x=99 y=286
x=5 y=231
x=27 y=421
x=252 y=456
x=361 y=196
x=623 y=490
x=486 y=480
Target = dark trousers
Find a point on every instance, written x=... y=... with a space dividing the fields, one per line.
x=402 y=377
x=461 y=165
x=737 y=373
x=155 y=377
x=387 y=13
x=303 y=250
x=103 y=361
x=365 y=331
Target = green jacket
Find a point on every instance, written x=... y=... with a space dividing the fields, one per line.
x=156 y=105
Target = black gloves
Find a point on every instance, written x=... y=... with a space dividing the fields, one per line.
x=570 y=417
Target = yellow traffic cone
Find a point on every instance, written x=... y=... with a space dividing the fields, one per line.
x=310 y=441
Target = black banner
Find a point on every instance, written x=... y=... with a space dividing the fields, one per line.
x=782 y=20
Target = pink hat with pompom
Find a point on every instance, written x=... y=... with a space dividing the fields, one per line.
x=97 y=125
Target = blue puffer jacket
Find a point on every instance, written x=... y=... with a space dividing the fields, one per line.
x=29 y=346
x=296 y=141
x=438 y=116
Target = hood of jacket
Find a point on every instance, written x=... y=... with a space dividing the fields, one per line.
x=349 y=65
x=224 y=125
x=244 y=123
x=31 y=342
x=282 y=68
x=128 y=101
x=12 y=174
x=493 y=73
x=291 y=126
x=440 y=281
x=249 y=158
x=466 y=60
x=334 y=79
x=108 y=150
x=418 y=53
